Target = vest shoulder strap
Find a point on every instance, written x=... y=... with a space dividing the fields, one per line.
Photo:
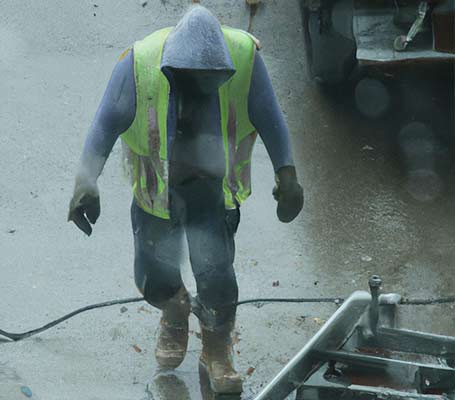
x=242 y=49
x=151 y=94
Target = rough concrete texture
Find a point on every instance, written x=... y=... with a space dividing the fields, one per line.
x=56 y=59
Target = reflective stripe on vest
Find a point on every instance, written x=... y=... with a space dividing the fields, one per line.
x=145 y=142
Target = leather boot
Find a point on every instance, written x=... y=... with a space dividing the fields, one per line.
x=172 y=340
x=217 y=359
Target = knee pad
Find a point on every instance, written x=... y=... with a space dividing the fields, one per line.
x=157 y=284
x=157 y=292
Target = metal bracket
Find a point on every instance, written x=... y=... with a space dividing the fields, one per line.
x=402 y=42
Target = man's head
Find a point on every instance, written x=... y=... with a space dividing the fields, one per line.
x=195 y=53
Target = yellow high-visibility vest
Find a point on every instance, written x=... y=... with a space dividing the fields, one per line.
x=145 y=142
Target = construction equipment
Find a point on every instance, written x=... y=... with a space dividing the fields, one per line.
x=360 y=354
x=395 y=59
x=345 y=37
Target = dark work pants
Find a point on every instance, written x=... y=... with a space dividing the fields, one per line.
x=197 y=213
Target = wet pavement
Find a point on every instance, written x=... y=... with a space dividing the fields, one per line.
x=358 y=218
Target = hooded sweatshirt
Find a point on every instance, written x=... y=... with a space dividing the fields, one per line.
x=196 y=62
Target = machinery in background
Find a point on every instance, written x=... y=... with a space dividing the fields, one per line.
x=396 y=59
x=343 y=34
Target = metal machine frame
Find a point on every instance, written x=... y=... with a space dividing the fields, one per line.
x=360 y=354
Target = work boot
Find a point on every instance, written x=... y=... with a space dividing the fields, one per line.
x=217 y=359
x=172 y=340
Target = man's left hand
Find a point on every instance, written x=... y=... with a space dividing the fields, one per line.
x=288 y=193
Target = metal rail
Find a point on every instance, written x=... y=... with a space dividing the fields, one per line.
x=331 y=336
x=359 y=354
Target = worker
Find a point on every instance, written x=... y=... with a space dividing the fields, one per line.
x=187 y=102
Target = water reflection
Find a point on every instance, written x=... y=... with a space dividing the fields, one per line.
x=425 y=159
x=207 y=393
x=170 y=386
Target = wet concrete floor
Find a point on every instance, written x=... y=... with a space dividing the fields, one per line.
x=358 y=219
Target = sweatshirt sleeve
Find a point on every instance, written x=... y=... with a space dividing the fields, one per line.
x=114 y=116
x=266 y=116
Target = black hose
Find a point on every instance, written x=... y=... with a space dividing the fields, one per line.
x=335 y=300
x=427 y=302
x=15 y=337
x=20 y=336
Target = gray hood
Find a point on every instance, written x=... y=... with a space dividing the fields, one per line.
x=196 y=45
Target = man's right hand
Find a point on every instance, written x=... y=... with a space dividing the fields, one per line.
x=84 y=207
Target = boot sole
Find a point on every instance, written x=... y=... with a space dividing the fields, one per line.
x=224 y=385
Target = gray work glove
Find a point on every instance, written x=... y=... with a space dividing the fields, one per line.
x=288 y=193
x=84 y=207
